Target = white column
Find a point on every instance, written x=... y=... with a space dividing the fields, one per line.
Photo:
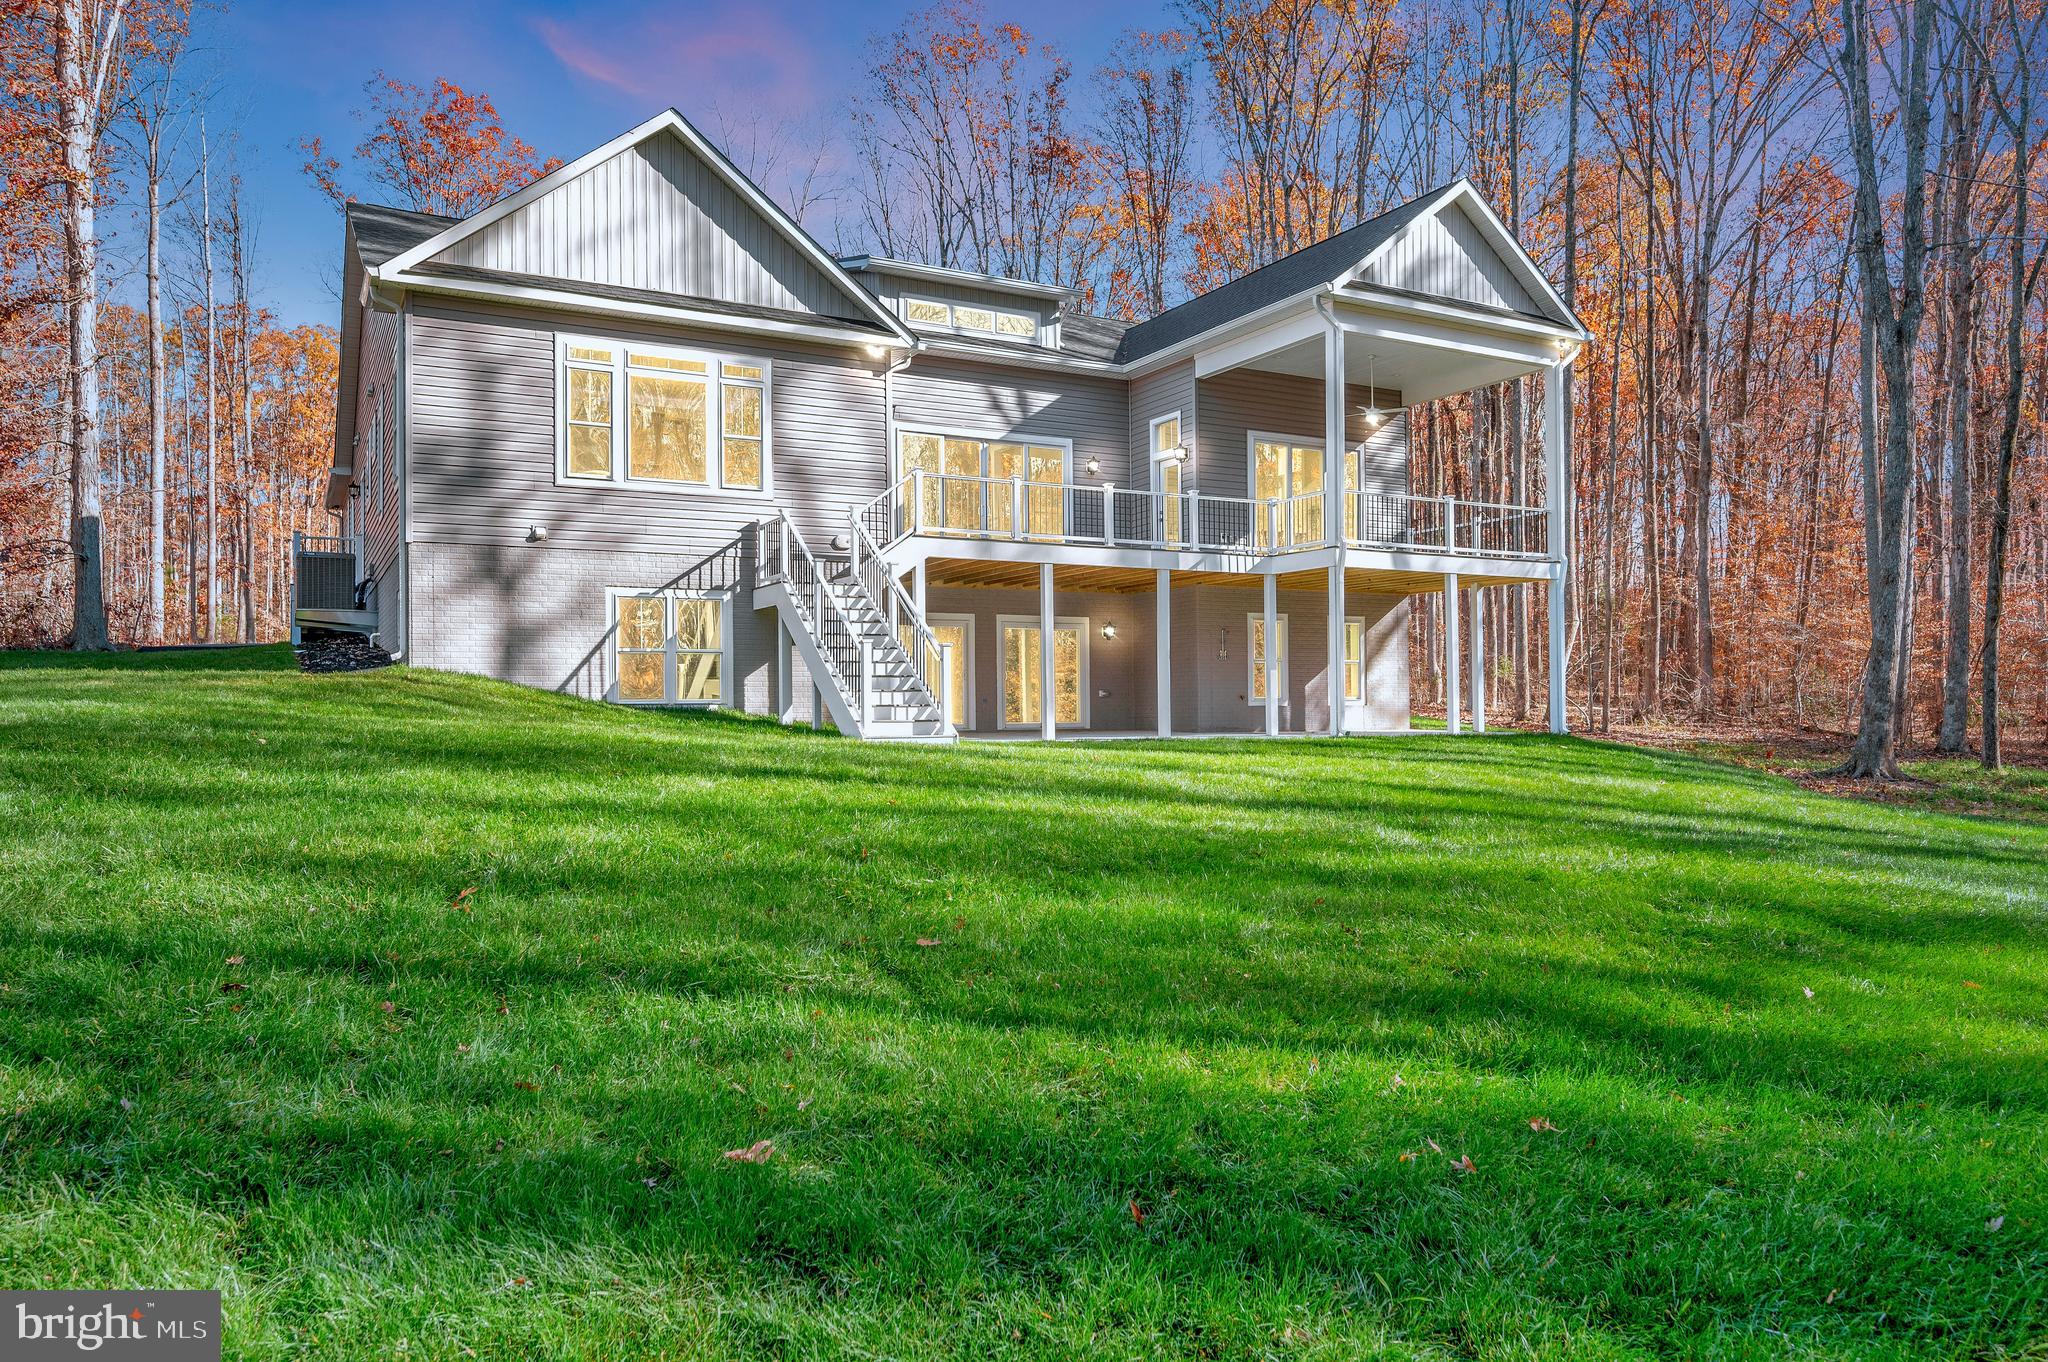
x=1451 y=682
x=1273 y=682
x=1336 y=649
x=785 y=688
x=1334 y=493
x=1045 y=628
x=1557 y=480
x=1478 y=660
x=917 y=587
x=1163 y=642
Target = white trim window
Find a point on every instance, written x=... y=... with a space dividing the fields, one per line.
x=663 y=417
x=373 y=452
x=1354 y=657
x=1255 y=657
x=971 y=318
x=964 y=473
x=669 y=647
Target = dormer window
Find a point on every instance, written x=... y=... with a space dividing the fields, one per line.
x=971 y=318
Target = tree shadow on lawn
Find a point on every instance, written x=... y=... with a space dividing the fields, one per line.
x=983 y=1130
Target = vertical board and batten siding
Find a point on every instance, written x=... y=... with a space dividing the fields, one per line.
x=655 y=216
x=483 y=457
x=1158 y=394
x=1022 y=404
x=1241 y=401
x=1446 y=255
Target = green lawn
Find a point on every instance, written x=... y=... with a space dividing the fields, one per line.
x=417 y=1012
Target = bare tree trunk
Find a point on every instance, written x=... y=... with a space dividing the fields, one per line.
x=1966 y=107
x=154 y=630
x=78 y=107
x=1892 y=324
x=212 y=394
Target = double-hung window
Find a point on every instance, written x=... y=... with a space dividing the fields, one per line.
x=669 y=647
x=656 y=416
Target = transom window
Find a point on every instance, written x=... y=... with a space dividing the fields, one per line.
x=645 y=415
x=993 y=321
x=668 y=647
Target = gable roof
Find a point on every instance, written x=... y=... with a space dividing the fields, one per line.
x=1334 y=260
x=667 y=122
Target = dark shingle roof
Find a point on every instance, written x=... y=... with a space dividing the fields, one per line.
x=1305 y=269
x=652 y=297
x=383 y=232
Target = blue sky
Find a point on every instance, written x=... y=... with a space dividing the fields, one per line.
x=566 y=77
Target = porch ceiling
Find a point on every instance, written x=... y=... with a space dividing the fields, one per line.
x=1139 y=581
x=1421 y=373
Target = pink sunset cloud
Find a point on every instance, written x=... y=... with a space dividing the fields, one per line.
x=741 y=59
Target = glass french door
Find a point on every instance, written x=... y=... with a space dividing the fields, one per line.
x=957 y=633
x=1022 y=694
x=1168 y=460
x=1282 y=469
x=962 y=494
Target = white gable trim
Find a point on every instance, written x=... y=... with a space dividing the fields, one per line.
x=1498 y=236
x=670 y=121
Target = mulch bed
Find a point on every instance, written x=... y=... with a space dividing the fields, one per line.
x=327 y=650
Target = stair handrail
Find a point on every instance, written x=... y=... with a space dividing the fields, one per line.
x=805 y=571
x=896 y=605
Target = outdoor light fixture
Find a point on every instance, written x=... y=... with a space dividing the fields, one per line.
x=1109 y=629
x=1374 y=417
x=536 y=534
x=1094 y=466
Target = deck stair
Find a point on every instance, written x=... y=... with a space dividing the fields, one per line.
x=848 y=620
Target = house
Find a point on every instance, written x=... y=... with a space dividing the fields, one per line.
x=632 y=434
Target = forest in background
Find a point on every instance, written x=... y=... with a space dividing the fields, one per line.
x=1807 y=443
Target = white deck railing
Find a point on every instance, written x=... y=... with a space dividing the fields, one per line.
x=948 y=507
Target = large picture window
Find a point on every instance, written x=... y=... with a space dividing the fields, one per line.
x=965 y=489
x=656 y=416
x=668 y=647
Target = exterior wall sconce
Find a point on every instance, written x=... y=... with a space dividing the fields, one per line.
x=1094 y=467
x=1109 y=629
x=536 y=534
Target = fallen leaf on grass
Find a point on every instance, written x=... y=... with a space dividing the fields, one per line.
x=1463 y=1163
x=757 y=1152
x=1971 y=983
x=233 y=986
x=461 y=901
x=927 y=941
x=1541 y=1123
x=1995 y=1223
x=802 y=1102
x=525 y=1085
x=1137 y=1212
x=1434 y=1146
x=1807 y=991
x=388 y=1006
x=236 y=960
x=1407 y=1156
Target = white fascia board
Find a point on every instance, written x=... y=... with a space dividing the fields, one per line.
x=941 y=274
x=1366 y=295
x=668 y=120
x=953 y=350
x=1278 y=335
x=566 y=299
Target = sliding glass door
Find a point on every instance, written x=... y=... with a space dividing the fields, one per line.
x=967 y=483
x=1023 y=694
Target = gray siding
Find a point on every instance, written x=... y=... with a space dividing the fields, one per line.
x=949 y=394
x=655 y=216
x=484 y=436
x=1236 y=403
x=375 y=456
x=1155 y=395
x=1446 y=255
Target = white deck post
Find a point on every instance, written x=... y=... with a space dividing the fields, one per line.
x=1334 y=494
x=785 y=683
x=1163 y=643
x=1451 y=682
x=1272 y=656
x=1557 y=480
x=917 y=587
x=1045 y=628
x=1109 y=513
x=1478 y=660
x=946 y=714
